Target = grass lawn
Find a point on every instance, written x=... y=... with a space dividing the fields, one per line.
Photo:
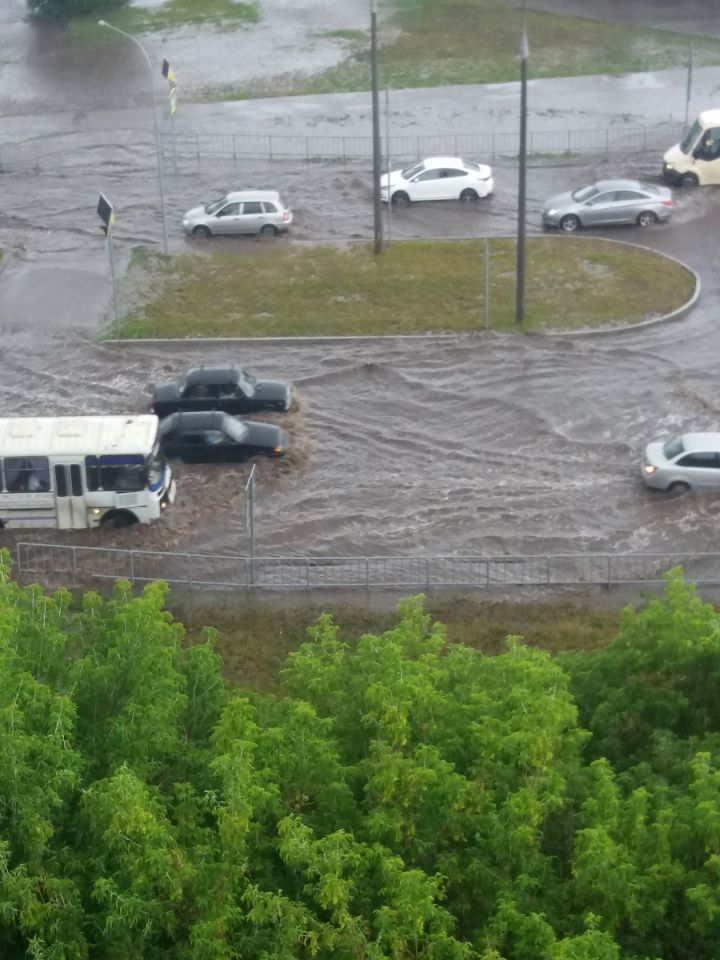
x=414 y=287
x=225 y=14
x=255 y=637
x=428 y=43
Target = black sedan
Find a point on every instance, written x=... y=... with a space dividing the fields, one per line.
x=230 y=389
x=216 y=437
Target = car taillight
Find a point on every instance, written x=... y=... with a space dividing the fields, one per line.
x=667 y=203
x=286 y=216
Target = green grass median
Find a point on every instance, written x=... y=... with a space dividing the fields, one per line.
x=279 y=289
x=428 y=43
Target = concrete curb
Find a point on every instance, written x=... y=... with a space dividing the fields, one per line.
x=676 y=314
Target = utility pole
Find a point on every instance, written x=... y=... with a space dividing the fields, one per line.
x=377 y=161
x=522 y=176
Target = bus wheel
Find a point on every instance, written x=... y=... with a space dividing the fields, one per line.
x=117 y=519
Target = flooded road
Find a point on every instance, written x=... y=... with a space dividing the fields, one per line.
x=485 y=444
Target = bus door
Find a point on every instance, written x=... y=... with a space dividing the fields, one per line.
x=70 y=496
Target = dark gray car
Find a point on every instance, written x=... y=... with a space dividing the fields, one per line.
x=231 y=389
x=607 y=203
x=219 y=438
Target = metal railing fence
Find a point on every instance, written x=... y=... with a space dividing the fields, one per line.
x=195 y=147
x=487 y=146
x=77 y=564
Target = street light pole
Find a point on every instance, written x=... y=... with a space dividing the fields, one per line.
x=377 y=206
x=158 y=151
x=522 y=176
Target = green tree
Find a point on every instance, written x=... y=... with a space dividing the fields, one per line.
x=403 y=799
x=65 y=9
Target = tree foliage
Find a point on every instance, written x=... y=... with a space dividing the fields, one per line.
x=403 y=800
x=65 y=9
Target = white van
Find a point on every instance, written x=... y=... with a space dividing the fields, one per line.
x=696 y=159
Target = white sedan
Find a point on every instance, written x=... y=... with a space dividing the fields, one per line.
x=437 y=178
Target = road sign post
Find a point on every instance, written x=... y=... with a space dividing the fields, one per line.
x=106 y=213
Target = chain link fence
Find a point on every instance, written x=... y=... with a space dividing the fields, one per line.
x=76 y=565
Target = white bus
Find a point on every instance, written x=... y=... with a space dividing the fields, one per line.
x=78 y=472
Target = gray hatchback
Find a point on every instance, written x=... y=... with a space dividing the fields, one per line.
x=608 y=202
x=243 y=211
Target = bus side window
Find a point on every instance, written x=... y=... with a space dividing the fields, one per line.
x=27 y=474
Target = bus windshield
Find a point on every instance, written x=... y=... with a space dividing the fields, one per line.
x=691 y=137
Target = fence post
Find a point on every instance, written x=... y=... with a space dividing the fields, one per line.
x=548 y=560
x=197 y=147
x=609 y=570
x=493 y=146
x=367 y=573
x=427 y=559
x=569 y=143
x=132 y=566
x=74 y=556
x=270 y=150
x=234 y=136
x=307 y=149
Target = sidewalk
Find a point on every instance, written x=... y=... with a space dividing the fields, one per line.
x=626 y=100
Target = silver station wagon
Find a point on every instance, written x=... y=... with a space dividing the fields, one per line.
x=243 y=211
x=688 y=462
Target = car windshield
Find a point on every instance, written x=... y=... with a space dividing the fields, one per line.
x=215 y=205
x=688 y=141
x=585 y=193
x=411 y=171
x=673 y=448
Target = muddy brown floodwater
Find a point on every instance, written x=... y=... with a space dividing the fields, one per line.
x=487 y=444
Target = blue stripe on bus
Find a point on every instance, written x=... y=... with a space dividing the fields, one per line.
x=116 y=459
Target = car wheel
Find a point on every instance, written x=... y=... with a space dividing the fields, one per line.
x=570 y=223
x=468 y=196
x=400 y=199
x=689 y=180
x=268 y=230
x=201 y=232
x=118 y=520
x=678 y=487
x=646 y=219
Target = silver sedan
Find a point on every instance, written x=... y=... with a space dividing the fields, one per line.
x=609 y=202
